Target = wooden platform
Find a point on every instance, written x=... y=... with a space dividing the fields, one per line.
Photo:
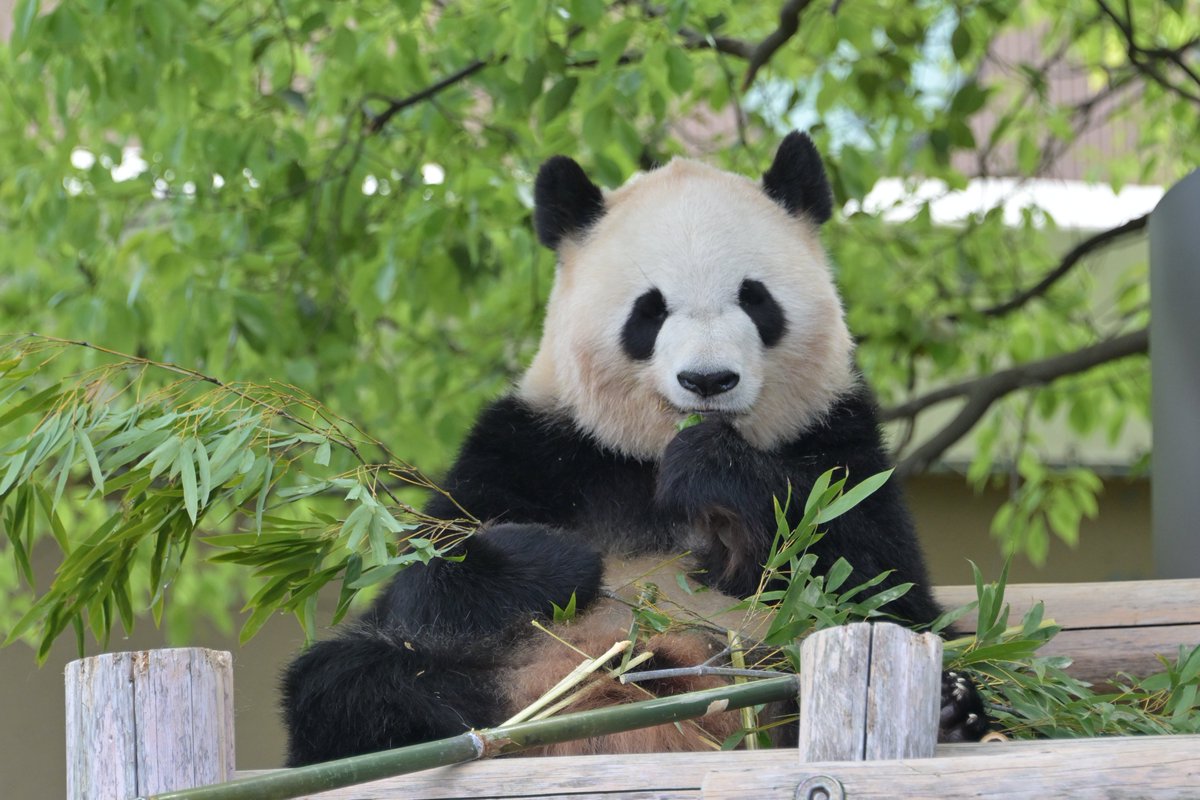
x=1107 y=628
x=1166 y=767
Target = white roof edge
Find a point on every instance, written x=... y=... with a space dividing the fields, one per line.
x=1071 y=204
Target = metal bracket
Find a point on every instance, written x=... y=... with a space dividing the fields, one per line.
x=820 y=787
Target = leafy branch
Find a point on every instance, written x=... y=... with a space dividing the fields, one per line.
x=170 y=455
x=1073 y=257
x=982 y=392
x=757 y=55
x=1149 y=60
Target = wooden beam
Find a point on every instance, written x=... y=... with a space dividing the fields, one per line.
x=684 y=775
x=1163 y=767
x=1113 y=604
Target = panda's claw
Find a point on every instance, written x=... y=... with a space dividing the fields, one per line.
x=963 y=717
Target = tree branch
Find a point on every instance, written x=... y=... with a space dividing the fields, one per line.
x=395 y=106
x=1068 y=262
x=981 y=393
x=789 y=23
x=1144 y=59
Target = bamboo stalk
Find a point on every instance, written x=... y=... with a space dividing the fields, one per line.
x=737 y=658
x=573 y=679
x=618 y=672
x=473 y=745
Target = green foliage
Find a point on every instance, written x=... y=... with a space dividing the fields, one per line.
x=1033 y=696
x=170 y=449
x=807 y=602
x=335 y=197
x=1029 y=695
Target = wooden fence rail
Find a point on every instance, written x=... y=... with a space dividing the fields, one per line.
x=146 y=723
x=1107 y=627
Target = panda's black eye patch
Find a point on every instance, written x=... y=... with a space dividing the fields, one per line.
x=766 y=314
x=641 y=327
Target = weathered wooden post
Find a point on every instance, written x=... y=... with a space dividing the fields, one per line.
x=869 y=691
x=149 y=721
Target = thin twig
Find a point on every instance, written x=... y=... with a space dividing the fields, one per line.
x=395 y=106
x=700 y=671
x=1145 y=60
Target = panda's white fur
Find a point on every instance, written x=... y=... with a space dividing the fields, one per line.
x=695 y=233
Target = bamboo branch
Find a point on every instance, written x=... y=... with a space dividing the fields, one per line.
x=693 y=672
x=405 y=471
x=475 y=745
x=573 y=679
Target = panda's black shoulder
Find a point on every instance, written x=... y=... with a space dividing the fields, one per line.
x=849 y=434
x=510 y=427
x=522 y=464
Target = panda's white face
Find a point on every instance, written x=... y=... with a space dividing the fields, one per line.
x=694 y=292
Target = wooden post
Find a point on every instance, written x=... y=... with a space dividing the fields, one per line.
x=869 y=691
x=149 y=721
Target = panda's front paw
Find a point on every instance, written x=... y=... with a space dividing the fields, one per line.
x=706 y=466
x=963 y=717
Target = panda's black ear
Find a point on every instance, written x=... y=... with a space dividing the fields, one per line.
x=565 y=201
x=796 y=179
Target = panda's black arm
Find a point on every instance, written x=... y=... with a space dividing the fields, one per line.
x=514 y=466
x=712 y=476
x=519 y=564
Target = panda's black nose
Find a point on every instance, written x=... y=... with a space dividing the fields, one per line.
x=707 y=384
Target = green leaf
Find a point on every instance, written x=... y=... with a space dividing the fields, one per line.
x=854 y=496
x=679 y=70
x=323 y=453
x=187 y=477
x=960 y=42
x=24 y=13
x=89 y=453
x=556 y=100
x=837 y=574
x=35 y=403
x=261 y=505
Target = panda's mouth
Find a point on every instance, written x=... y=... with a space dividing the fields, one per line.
x=704 y=411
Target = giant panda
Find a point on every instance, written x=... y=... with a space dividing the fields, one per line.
x=686 y=291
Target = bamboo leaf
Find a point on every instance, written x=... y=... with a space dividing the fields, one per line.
x=14 y=468
x=187 y=478
x=37 y=402
x=261 y=505
x=89 y=453
x=854 y=496
x=203 y=471
x=323 y=453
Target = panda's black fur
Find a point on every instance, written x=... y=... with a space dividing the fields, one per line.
x=433 y=656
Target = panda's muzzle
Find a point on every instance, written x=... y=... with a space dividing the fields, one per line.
x=708 y=384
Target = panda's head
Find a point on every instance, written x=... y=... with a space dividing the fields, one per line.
x=689 y=290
